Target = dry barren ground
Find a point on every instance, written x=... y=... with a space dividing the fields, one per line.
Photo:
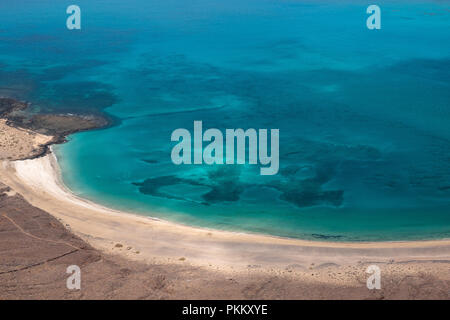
x=36 y=249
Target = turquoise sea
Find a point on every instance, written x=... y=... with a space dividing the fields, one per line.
x=364 y=115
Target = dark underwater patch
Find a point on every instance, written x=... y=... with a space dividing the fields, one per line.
x=324 y=236
x=86 y=96
x=229 y=191
x=152 y=186
x=61 y=71
x=150 y=161
x=319 y=145
x=433 y=69
x=223 y=184
x=309 y=198
x=82 y=98
x=309 y=192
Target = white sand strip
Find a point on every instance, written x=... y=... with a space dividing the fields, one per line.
x=160 y=241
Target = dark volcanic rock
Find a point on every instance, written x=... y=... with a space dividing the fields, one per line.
x=59 y=126
x=7 y=106
x=62 y=125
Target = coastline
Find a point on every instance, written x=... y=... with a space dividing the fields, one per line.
x=44 y=227
x=154 y=240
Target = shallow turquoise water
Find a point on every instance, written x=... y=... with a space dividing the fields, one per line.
x=363 y=115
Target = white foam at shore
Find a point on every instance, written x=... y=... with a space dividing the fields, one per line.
x=44 y=174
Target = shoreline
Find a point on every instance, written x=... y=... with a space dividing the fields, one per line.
x=155 y=240
x=45 y=226
x=59 y=180
x=54 y=127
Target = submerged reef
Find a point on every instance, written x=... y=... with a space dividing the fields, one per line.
x=224 y=184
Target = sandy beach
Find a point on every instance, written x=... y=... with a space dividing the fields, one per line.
x=39 y=181
x=164 y=260
x=44 y=227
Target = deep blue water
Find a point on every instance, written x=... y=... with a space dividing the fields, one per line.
x=364 y=115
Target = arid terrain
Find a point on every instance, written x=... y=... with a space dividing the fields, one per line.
x=25 y=134
x=17 y=143
x=36 y=248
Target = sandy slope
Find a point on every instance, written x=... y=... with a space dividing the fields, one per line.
x=18 y=143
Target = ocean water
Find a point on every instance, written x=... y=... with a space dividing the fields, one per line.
x=364 y=115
